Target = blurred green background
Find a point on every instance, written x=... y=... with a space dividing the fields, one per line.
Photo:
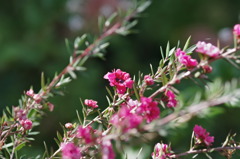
x=32 y=40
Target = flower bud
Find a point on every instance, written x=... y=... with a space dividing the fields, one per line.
x=69 y=125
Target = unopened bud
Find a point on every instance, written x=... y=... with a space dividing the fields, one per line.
x=69 y=125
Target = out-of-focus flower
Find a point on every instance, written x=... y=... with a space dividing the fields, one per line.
x=185 y=59
x=70 y=151
x=30 y=93
x=207 y=49
x=19 y=113
x=171 y=99
x=148 y=109
x=91 y=103
x=87 y=134
x=202 y=136
x=50 y=106
x=107 y=150
x=125 y=120
x=236 y=30
x=161 y=151
x=148 y=80
x=121 y=80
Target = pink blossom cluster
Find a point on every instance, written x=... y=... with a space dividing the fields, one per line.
x=70 y=151
x=121 y=80
x=21 y=116
x=236 y=30
x=86 y=137
x=161 y=151
x=170 y=98
x=125 y=120
x=107 y=150
x=207 y=49
x=148 y=109
x=86 y=133
x=148 y=80
x=91 y=103
x=185 y=59
x=202 y=136
x=36 y=97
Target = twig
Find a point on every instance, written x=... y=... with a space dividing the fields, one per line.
x=204 y=150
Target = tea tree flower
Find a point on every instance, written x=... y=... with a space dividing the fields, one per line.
x=70 y=151
x=202 y=136
x=161 y=151
x=86 y=134
x=148 y=109
x=107 y=150
x=171 y=99
x=236 y=30
x=125 y=119
x=121 y=80
x=185 y=59
x=148 y=80
x=207 y=49
x=26 y=124
x=91 y=103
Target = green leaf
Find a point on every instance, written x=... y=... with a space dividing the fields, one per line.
x=191 y=49
x=79 y=41
x=100 y=23
x=187 y=43
x=143 y=6
x=167 y=49
x=43 y=81
x=110 y=19
x=68 y=46
x=7 y=145
x=79 y=118
x=20 y=146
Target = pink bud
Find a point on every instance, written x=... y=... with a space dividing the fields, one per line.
x=26 y=124
x=30 y=93
x=91 y=103
x=68 y=125
x=148 y=79
x=50 y=106
x=207 y=68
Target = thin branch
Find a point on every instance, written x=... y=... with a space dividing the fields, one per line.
x=204 y=151
x=192 y=110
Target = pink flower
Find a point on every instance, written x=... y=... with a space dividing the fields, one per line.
x=69 y=125
x=161 y=151
x=50 y=106
x=148 y=80
x=148 y=109
x=207 y=49
x=91 y=103
x=86 y=134
x=70 y=151
x=185 y=59
x=236 y=30
x=121 y=80
x=30 y=93
x=26 y=124
x=37 y=98
x=202 y=136
x=107 y=150
x=19 y=113
x=125 y=119
x=171 y=99
x=207 y=68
